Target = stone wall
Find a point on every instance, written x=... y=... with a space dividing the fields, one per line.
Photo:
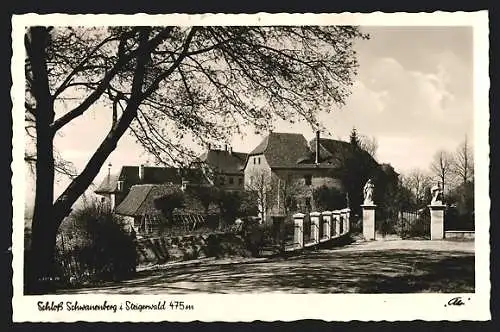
x=159 y=250
x=459 y=235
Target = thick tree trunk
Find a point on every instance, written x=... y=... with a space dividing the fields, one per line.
x=48 y=215
x=40 y=258
x=41 y=271
x=44 y=230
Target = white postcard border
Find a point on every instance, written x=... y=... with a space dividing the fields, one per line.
x=267 y=307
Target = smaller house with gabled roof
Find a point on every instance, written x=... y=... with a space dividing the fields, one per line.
x=115 y=187
x=141 y=211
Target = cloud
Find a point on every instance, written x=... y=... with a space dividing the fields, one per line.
x=412 y=113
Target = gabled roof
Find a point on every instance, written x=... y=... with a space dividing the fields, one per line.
x=140 y=201
x=152 y=175
x=225 y=161
x=332 y=146
x=135 y=203
x=108 y=185
x=340 y=151
x=331 y=152
x=282 y=149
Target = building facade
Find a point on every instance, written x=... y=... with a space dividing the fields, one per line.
x=285 y=166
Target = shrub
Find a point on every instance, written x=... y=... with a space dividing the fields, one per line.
x=356 y=224
x=385 y=226
x=328 y=198
x=94 y=245
x=168 y=203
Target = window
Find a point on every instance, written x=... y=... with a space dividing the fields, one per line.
x=308 y=180
x=231 y=180
x=222 y=180
x=258 y=160
x=240 y=181
x=254 y=160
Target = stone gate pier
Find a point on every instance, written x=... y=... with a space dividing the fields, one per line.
x=369 y=221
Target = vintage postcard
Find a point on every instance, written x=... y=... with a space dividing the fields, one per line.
x=250 y=167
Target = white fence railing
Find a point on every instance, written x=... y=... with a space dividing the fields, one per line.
x=324 y=226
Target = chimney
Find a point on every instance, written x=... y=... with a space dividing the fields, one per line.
x=109 y=170
x=317 y=147
x=141 y=172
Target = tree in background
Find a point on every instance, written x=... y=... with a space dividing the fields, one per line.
x=288 y=192
x=236 y=204
x=261 y=187
x=364 y=142
x=168 y=203
x=442 y=168
x=354 y=138
x=463 y=163
x=461 y=198
x=207 y=195
x=328 y=198
x=357 y=166
x=460 y=215
x=419 y=183
x=387 y=195
x=369 y=144
x=162 y=83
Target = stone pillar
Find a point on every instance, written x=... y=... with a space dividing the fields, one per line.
x=437 y=221
x=327 y=224
x=345 y=220
x=348 y=220
x=315 y=226
x=369 y=221
x=298 y=233
x=336 y=216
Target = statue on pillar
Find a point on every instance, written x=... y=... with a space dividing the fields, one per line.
x=368 y=192
x=437 y=195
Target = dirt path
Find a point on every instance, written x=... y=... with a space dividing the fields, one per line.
x=445 y=245
x=364 y=267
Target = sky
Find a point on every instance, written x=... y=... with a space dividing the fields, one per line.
x=413 y=93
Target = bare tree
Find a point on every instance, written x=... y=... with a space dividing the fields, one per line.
x=463 y=162
x=288 y=191
x=369 y=144
x=161 y=83
x=261 y=185
x=442 y=167
x=418 y=182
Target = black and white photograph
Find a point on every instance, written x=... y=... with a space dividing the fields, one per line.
x=293 y=157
